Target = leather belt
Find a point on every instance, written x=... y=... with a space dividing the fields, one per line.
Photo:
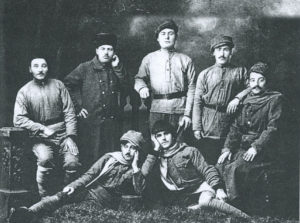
x=52 y=121
x=170 y=95
x=216 y=107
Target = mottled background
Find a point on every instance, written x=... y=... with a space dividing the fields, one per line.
x=263 y=30
x=266 y=30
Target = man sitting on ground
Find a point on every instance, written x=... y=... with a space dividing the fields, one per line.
x=113 y=175
x=183 y=172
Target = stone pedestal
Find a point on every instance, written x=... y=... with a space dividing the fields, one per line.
x=16 y=170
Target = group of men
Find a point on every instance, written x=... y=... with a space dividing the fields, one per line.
x=228 y=116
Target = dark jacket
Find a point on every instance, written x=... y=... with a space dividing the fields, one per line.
x=119 y=180
x=95 y=87
x=257 y=124
x=188 y=169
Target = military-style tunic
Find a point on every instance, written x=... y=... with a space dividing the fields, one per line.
x=256 y=126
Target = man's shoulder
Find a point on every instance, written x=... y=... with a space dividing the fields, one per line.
x=208 y=69
x=276 y=96
x=152 y=54
x=183 y=56
x=189 y=149
x=85 y=64
x=26 y=86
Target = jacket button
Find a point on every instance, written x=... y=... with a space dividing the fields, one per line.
x=112 y=117
x=100 y=81
x=104 y=105
x=249 y=123
x=103 y=92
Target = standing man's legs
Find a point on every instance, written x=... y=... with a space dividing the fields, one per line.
x=210 y=149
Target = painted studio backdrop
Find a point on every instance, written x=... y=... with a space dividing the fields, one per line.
x=262 y=30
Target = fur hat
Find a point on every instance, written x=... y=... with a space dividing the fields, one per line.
x=261 y=68
x=105 y=39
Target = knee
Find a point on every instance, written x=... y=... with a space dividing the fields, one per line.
x=204 y=199
x=44 y=155
x=72 y=166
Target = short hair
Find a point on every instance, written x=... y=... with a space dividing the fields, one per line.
x=36 y=56
x=163 y=125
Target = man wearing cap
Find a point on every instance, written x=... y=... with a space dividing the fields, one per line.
x=170 y=77
x=252 y=145
x=219 y=90
x=184 y=173
x=94 y=87
x=113 y=175
x=44 y=107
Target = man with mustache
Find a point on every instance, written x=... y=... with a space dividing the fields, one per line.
x=170 y=78
x=95 y=86
x=216 y=98
x=44 y=107
x=252 y=145
x=110 y=177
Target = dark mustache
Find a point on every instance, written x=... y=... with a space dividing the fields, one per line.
x=257 y=87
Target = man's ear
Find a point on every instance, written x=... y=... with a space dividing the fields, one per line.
x=30 y=71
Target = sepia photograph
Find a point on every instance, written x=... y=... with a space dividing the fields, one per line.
x=149 y=111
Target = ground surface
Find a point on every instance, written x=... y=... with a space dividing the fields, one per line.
x=87 y=213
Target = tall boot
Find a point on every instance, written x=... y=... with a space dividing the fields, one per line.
x=226 y=208
x=49 y=203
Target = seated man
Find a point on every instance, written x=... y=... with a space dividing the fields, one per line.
x=113 y=175
x=44 y=107
x=183 y=171
x=251 y=147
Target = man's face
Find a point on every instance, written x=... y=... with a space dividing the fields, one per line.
x=38 y=68
x=165 y=139
x=128 y=151
x=222 y=54
x=166 y=39
x=257 y=83
x=105 y=53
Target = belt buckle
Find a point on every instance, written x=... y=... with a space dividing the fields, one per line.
x=168 y=97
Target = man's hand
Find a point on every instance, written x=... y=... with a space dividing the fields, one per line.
x=232 y=106
x=83 y=113
x=185 y=121
x=155 y=142
x=221 y=195
x=144 y=93
x=47 y=132
x=135 y=162
x=250 y=154
x=224 y=156
x=71 y=146
x=68 y=190
x=198 y=134
x=115 y=61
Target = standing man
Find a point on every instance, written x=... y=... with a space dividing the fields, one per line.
x=253 y=143
x=44 y=107
x=170 y=77
x=94 y=87
x=217 y=98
